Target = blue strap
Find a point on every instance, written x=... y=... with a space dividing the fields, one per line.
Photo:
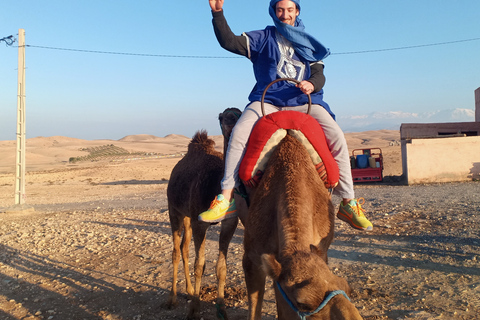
x=304 y=315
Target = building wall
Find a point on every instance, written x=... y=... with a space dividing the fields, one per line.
x=477 y=105
x=441 y=159
x=430 y=130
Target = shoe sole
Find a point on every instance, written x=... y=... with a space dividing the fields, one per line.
x=345 y=218
x=228 y=215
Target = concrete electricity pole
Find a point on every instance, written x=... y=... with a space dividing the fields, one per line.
x=20 y=157
x=20 y=163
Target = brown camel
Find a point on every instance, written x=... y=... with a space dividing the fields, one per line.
x=287 y=234
x=228 y=118
x=194 y=183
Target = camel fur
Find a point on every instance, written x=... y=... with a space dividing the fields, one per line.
x=289 y=229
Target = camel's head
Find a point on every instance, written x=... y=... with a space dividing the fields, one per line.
x=228 y=119
x=306 y=280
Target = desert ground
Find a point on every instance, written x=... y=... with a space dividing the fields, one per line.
x=94 y=241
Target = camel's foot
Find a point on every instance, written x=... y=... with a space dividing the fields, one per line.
x=221 y=312
x=191 y=315
x=190 y=291
x=194 y=307
x=172 y=301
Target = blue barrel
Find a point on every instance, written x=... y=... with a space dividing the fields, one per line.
x=362 y=161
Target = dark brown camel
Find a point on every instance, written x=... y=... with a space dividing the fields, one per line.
x=194 y=183
x=289 y=229
x=228 y=118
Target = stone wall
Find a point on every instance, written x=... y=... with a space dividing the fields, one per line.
x=441 y=159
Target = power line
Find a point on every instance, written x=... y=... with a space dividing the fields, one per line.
x=236 y=57
x=408 y=47
x=8 y=40
x=133 y=54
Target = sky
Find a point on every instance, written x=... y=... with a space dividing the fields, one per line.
x=168 y=74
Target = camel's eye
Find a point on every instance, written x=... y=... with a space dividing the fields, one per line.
x=303 y=307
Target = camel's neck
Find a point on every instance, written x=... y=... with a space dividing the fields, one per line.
x=226 y=140
x=225 y=146
x=295 y=231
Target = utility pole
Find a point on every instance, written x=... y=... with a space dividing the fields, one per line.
x=20 y=156
x=20 y=163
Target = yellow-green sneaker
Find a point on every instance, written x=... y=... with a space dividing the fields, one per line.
x=354 y=215
x=220 y=209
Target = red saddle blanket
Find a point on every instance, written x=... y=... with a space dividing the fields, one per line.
x=271 y=129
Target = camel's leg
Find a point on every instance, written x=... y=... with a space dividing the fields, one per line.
x=187 y=236
x=255 y=280
x=176 y=223
x=284 y=311
x=185 y=246
x=226 y=234
x=242 y=207
x=199 y=236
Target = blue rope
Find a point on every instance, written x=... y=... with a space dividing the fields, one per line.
x=304 y=315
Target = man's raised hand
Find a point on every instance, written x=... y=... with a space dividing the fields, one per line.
x=216 y=5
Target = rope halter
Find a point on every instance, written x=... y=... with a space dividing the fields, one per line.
x=304 y=315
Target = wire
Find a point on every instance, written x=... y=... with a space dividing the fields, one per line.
x=409 y=47
x=236 y=57
x=133 y=54
x=8 y=40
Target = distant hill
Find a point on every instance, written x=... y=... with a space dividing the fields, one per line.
x=140 y=137
x=176 y=136
x=152 y=138
x=392 y=120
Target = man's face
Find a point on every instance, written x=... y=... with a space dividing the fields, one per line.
x=286 y=11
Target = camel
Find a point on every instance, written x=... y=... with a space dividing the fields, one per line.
x=194 y=183
x=289 y=229
x=228 y=118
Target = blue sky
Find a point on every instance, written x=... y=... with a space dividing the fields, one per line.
x=108 y=96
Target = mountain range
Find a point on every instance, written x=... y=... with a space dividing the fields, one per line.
x=391 y=120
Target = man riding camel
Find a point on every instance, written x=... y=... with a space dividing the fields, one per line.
x=282 y=51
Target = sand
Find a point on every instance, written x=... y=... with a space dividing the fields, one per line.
x=98 y=243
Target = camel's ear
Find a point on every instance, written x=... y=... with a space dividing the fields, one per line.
x=271 y=266
x=316 y=250
x=220 y=117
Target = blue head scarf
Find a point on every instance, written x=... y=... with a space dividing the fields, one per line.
x=304 y=44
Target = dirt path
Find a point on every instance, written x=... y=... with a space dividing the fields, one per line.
x=99 y=247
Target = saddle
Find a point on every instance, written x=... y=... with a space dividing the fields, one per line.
x=267 y=134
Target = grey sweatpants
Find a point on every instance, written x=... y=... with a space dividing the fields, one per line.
x=334 y=136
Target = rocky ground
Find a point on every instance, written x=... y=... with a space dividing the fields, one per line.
x=98 y=246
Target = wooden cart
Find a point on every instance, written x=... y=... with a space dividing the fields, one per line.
x=373 y=172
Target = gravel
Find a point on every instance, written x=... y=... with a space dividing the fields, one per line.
x=109 y=257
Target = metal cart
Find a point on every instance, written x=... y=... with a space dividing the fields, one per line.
x=373 y=171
